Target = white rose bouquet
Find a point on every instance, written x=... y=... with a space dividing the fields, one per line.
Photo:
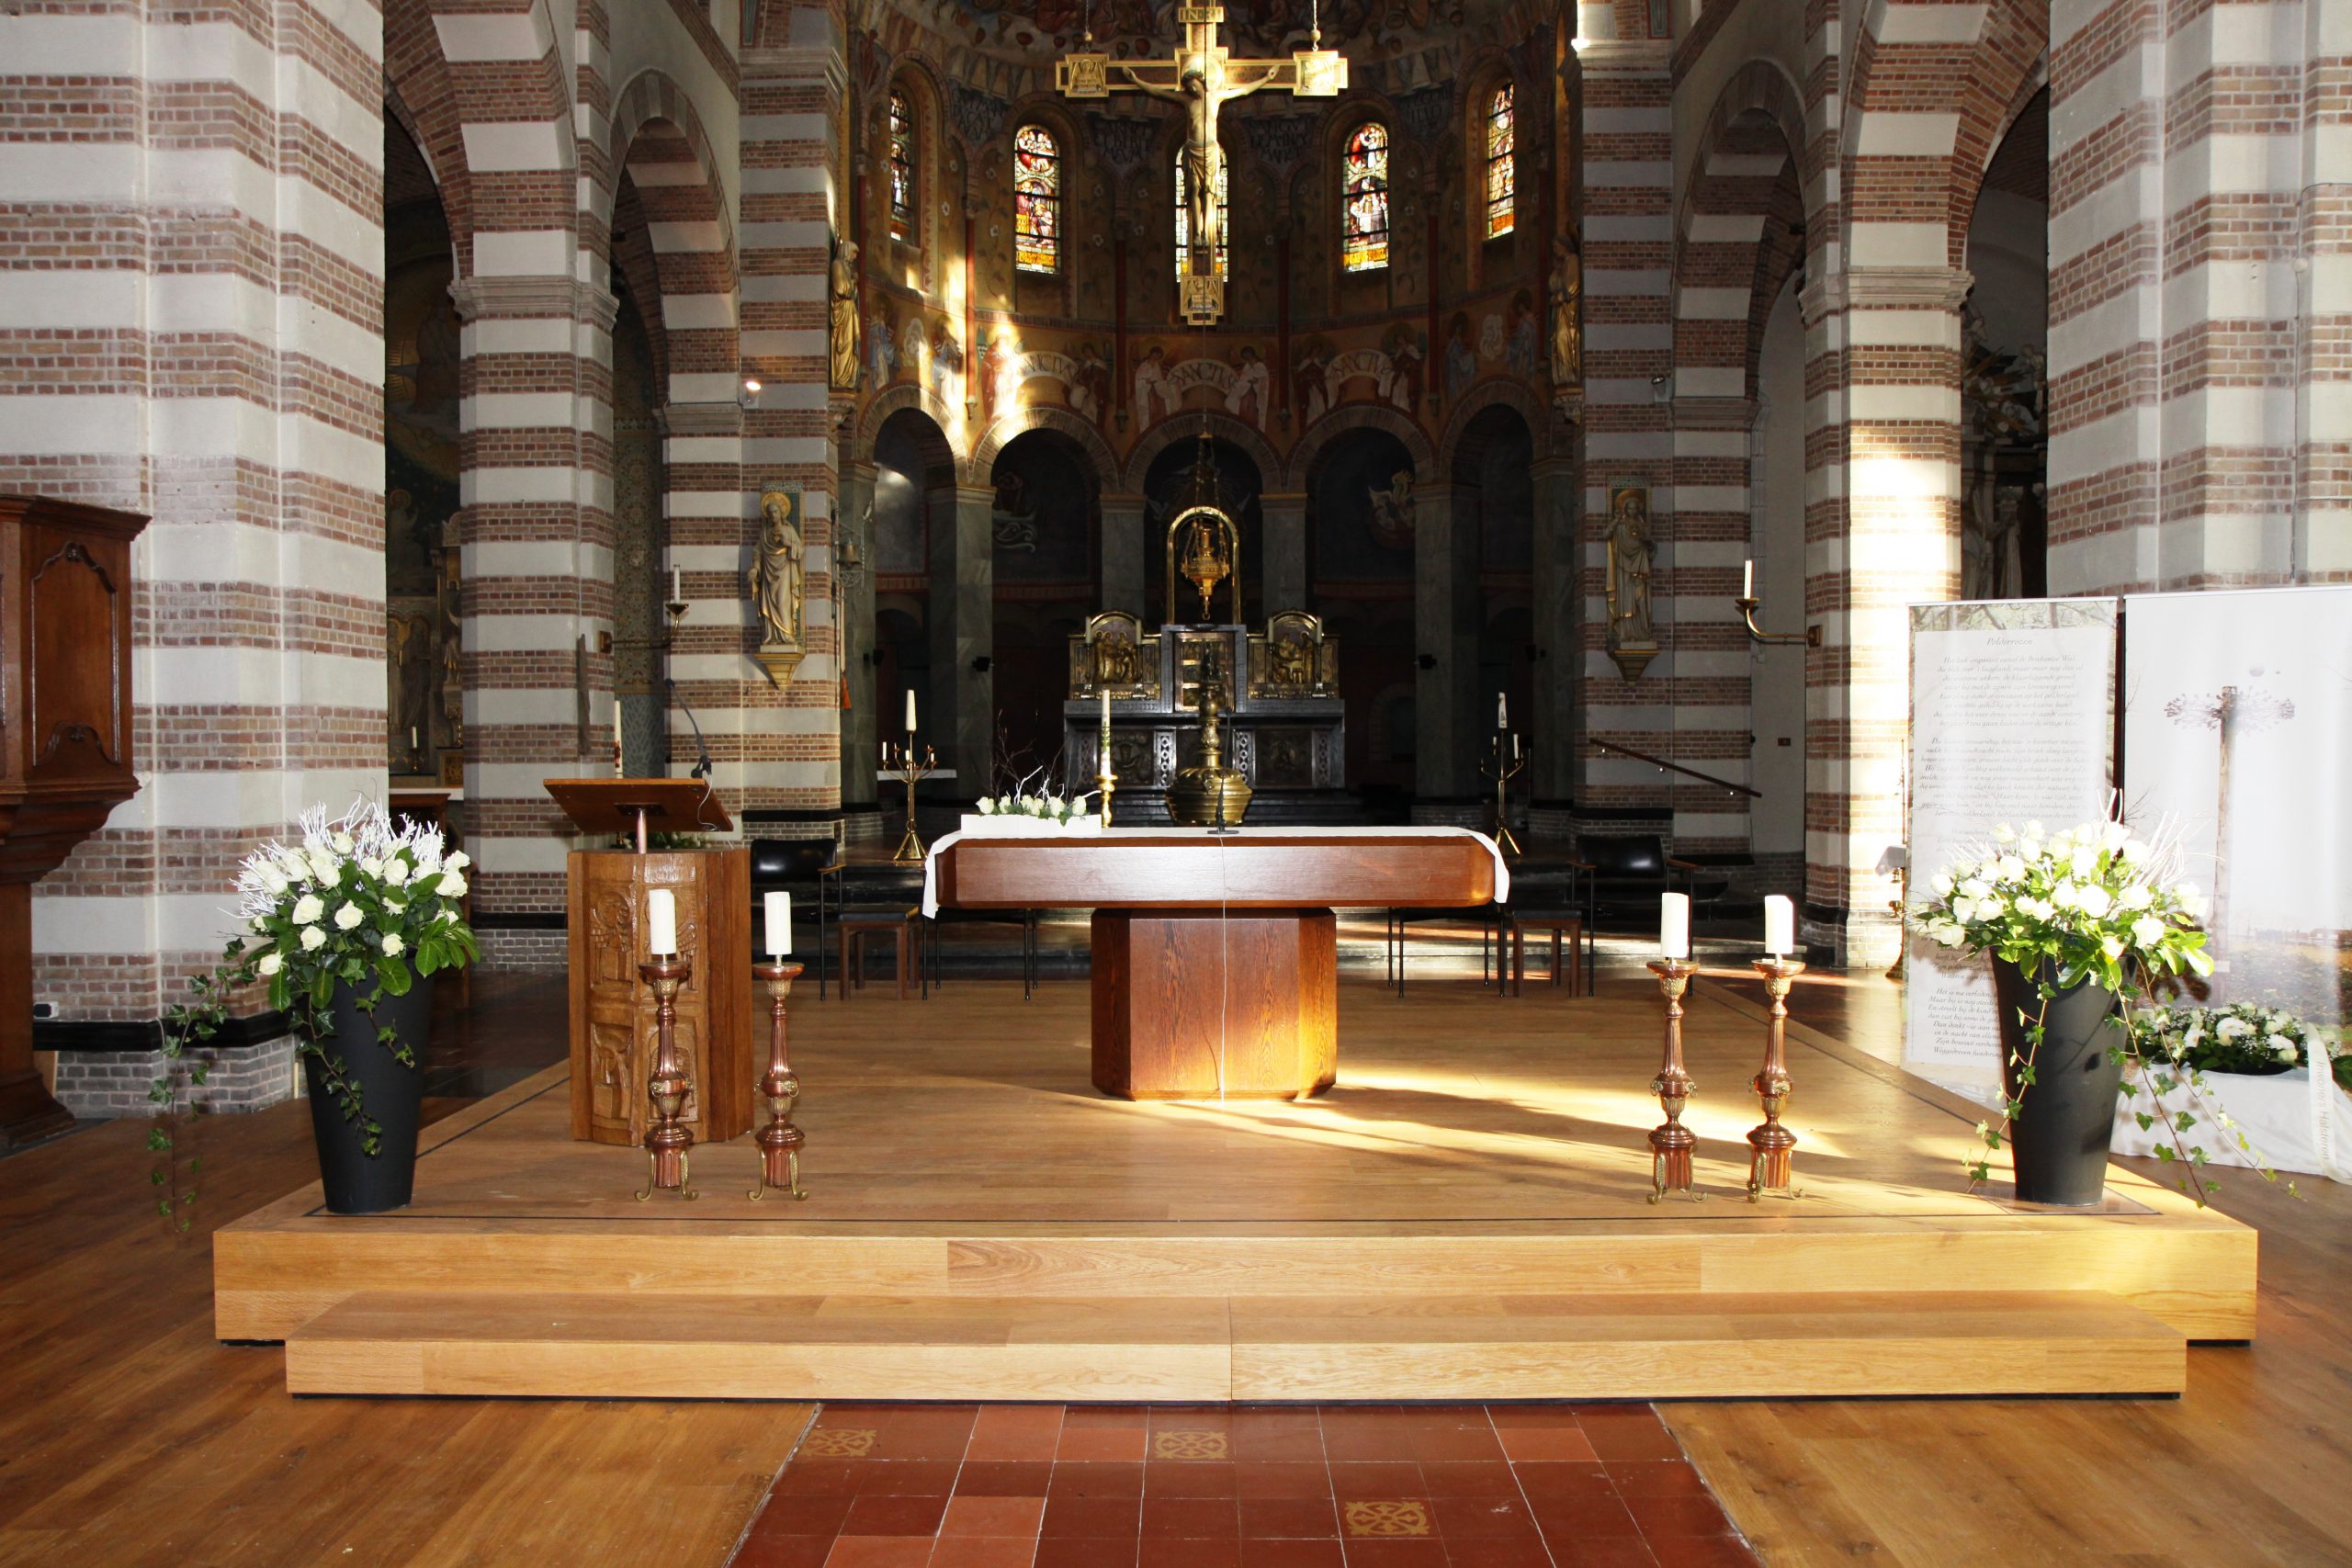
x=358 y=902
x=2095 y=904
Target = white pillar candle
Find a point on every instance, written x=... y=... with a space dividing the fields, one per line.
x=1106 y=707
x=411 y=738
x=662 y=922
x=910 y=710
x=1502 y=711
x=677 y=586
x=1748 y=577
x=779 y=924
x=1780 y=924
x=1514 y=746
x=1674 y=925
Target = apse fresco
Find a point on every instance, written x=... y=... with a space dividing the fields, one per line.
x=1042 y=524
x=1360 y=508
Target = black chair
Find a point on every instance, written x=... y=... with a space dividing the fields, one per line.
x=1402 y=920
x=1627 y=875
x=799 y=866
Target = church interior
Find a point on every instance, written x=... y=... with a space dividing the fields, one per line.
x=1110 y=783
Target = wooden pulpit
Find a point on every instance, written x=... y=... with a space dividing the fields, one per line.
x=612 y=1008
x=65 y=728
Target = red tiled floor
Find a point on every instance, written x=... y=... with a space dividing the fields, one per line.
x=894 y=1516
x=1093 y=1516
x=1077 y=1551
x=984 y=1552
x=969 y=1516
x=878 y=1551
x=1015 y=1432
x=1096 y=1478
x=1213 y=1486
x=1178 y=1552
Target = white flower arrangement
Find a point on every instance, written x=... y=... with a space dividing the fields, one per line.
x=1025 y=816
x=2238 y=1037
x=360 y=902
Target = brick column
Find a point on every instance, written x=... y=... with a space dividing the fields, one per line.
x=191 y=327
x=536 y=530
x=1551 y=735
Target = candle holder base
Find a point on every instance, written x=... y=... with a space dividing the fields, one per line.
x=665 y=1172
x=667 y=1137
x=910 y=849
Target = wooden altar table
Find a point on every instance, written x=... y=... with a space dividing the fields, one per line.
x=1216 y=957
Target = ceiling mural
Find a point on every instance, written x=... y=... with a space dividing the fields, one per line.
x=1367 y=31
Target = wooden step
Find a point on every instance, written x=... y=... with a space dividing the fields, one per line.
x=1188 y=1348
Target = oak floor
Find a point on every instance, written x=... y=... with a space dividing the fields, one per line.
x=130 y=1436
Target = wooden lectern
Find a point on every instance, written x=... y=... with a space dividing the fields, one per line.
x=64 y=741
x=612 y=1010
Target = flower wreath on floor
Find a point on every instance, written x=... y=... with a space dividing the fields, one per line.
x=2240 y=1037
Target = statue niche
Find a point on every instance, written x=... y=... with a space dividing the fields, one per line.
x=1632 y=556
x=779 y=584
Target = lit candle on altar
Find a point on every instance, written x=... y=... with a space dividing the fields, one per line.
x=1106 y=710
x=1780 y=924
x=910 y=710
x=779 y=924
x=662 y=922
x=1748 y=577
x=1502 y=711
x=1674 y=925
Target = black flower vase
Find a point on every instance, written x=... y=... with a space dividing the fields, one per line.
x=2059 y=1139
x=390 y=1095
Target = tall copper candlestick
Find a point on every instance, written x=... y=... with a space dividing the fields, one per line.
x=667 y=1136
x=1106 y=779
x=780 y=1141
x=1770 y=1160
x=1670 y=1142
x=1502 y=769
x=913 y=770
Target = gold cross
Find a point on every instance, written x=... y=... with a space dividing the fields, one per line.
x=1202 y=75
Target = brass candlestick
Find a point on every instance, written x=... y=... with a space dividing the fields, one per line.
x=780 y=1142
x=1507 y=766
x=667 y=1136
x=1900 y=907
x=1105 y=780
x=1770 y=1162
x=1670 y=1142
x=910 y=849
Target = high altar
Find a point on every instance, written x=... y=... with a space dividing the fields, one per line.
x=1277 y=692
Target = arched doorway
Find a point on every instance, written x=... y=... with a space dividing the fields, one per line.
x=1360 y=565
x=1044 y=529
x=2004 y=437
x=424 y=725
x=914 y=502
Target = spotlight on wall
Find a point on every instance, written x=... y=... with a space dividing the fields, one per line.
x=749 y=396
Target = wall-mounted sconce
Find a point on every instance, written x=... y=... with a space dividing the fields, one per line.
x=1427 y=662
x=748 y=397
x=980 y=666
x=1747 y=601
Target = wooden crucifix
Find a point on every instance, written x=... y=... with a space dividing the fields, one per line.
x=1202 y=76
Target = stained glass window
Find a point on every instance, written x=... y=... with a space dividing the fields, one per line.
x=903 y=168
x=1184 y=220
x=1502 y=185
x=1364 y=233
x=1036 y=199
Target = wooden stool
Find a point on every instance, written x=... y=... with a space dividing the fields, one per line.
x=1559 y=925
x=857 y=925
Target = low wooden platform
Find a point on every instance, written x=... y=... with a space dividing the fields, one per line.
x=1464 y=1216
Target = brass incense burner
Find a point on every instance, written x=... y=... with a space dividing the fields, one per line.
x=1211 y=794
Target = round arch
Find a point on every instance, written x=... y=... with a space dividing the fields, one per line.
x=1495 y=394
x=419 y=94
x=1186 y=425
x=1309 y=449
x=654 y=124
x=1044 y=416
x=909 y=395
